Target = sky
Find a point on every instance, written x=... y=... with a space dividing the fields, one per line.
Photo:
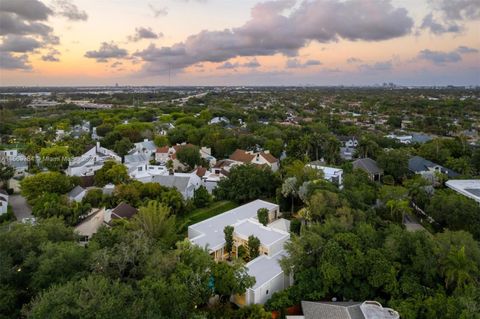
x=239 y=42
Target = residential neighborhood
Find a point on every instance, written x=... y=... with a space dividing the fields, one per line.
x=276 y=209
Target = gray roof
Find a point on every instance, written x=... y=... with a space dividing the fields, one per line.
x=420 y=138
x=148 y=145
x=179 y=182
x=264 y=268
x=266 y=235
x=332 y=310
x=136 y=158
x=76 y=191
x=419 y=164
x=81 y=163
x=368 y=165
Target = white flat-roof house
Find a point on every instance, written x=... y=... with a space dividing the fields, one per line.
x=332 y=174
x=91 y=161
x=268 y=274
x=466 y=187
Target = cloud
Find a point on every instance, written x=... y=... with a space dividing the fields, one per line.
x=51 y=56
x=439 y=57
x=377 y=67
x=15 y=43
x=144 y=33
x=12 y=24
x=116 y=64
x=12 y=62
x=252 y=64
x=458 y=9
x=448 y=16
x=295 y=63
x=158 y=12
x=270 y=32
x=32 y=10
x=438 y=28
x=107 y=51
x=463 y=49
x=228 y=66
x=69 y=10
x=353 y=60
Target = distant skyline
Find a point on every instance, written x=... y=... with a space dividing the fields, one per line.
x=239 y=42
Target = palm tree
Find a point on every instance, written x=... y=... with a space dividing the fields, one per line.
x=458 y=268
x=289 y=188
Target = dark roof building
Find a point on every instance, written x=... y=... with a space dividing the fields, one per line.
x=418 y=164
x=370 y=167
x=123 y=210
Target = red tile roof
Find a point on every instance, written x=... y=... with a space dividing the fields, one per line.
x=241 y=156
x=269 y=157
x=163 y=149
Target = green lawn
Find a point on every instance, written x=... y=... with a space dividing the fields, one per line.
x=204 y=213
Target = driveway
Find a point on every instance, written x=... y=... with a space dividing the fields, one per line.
x=20 y=207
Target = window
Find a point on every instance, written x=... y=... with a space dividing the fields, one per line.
x=267 y=292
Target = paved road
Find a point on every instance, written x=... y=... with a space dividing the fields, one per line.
x=20 y=207
x=411 y=224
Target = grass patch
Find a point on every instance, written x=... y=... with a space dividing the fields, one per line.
x=200 y=214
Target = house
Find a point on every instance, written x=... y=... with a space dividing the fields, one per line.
x=346 y=310
x=331 y=174
x=219 y=120
x=268 y=274
x=346 y=153
x=185 y=183
x=90 y=225
x=80 y=129
x=210 y=177
x=15 y=159
x=348 y=141
x=257 y=158
x=145 y=173
x=369 y=166
x=77 y=194
x=122 y=211
x=466 y=187
x=3 y=202
x=164 y=154
x=91 y=161
x=206 y=154
x=426 y=168
x=101 y=217
x=146 y=147
x=135 y=160
x=108 y=189
x=410 y=139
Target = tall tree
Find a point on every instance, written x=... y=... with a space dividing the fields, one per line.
x=228 y=231
x=262 y=216
x=253 y=244
x=157 y=223
x=6 y=172
x=230 y=280
x=289 y=189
